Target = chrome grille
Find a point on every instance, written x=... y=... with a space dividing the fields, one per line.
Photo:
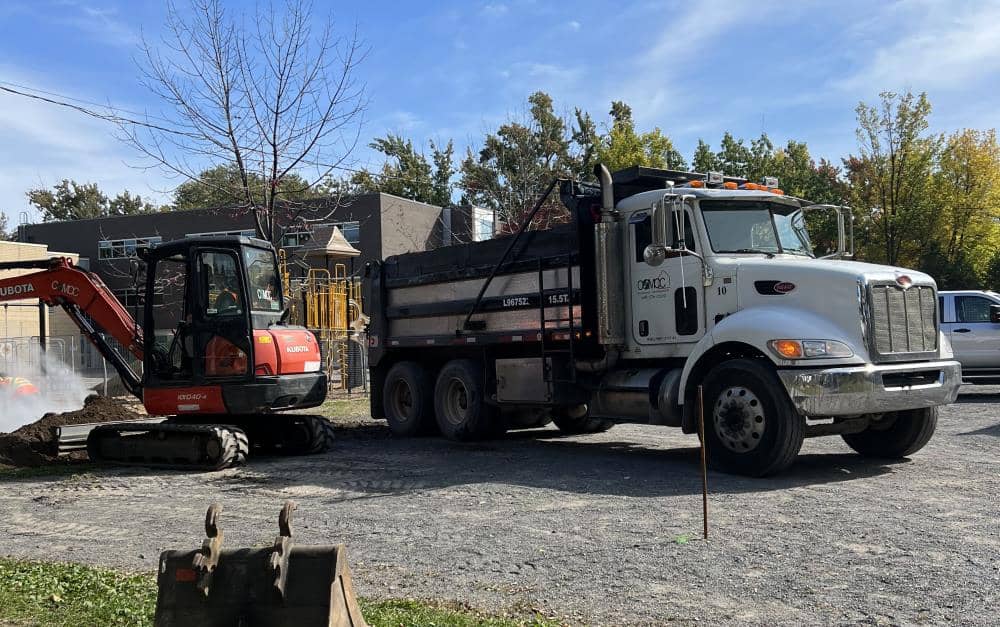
x=903 y=322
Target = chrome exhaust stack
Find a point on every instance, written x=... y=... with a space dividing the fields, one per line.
x=608 y=258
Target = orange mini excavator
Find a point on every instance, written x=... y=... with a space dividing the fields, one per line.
x=218 y=358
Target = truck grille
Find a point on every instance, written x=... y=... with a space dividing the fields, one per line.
x=903 y=322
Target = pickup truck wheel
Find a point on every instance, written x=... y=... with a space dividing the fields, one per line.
x=900 y=435
x=408 y=400
x=578 y=425
x=751 y=427
x=459 y=403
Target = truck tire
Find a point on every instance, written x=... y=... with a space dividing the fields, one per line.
x=459 y=403
x=408 y=400
x=751 y=427
x=902 y=435
x=579 y=425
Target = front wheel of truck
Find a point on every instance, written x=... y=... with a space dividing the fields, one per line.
x=898 y=435
x=751 y=427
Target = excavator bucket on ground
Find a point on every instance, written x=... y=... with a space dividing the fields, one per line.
x=283 y=584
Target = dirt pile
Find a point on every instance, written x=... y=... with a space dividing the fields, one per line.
x=33 y=445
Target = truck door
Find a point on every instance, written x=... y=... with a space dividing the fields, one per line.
x=667 y=300
x=975 y=340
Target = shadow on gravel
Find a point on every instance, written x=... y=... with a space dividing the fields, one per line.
x=541 y=458
x=982 y=397
x=993 y=430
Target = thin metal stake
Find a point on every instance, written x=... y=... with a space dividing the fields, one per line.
x=704 y=466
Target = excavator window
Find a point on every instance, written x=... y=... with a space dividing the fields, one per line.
x=172 y=349
x=264 y=288
x=220 y=285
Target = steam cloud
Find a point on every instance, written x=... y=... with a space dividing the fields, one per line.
x=59 y=390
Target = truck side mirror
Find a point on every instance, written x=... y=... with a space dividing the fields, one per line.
x=995 y=314
x=656 y=252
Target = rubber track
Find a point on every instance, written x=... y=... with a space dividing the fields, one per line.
x=230 y=441
x=321 y=435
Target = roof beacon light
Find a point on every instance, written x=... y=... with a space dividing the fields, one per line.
x=729 y=185
x=697 y=183
x=715 y=178
x=770 y=181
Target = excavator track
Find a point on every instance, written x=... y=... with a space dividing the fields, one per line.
x=169 y=445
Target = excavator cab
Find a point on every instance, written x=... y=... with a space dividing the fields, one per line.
x=214 y=332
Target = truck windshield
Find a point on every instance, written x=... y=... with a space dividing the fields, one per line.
x=753 y=226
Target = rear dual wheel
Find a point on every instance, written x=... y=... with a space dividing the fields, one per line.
x=408 y=399
x=460 y=403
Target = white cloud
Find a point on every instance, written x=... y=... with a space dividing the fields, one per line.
x=938 y=46
x=41 y=144
x=495 y=9
x=102 y=24
x=689 y=34
x=573 y=25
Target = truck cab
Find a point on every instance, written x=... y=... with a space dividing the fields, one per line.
x=970 y=321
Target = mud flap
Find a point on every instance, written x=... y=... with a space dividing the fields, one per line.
x=283 y=584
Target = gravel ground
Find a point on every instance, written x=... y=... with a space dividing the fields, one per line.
x=598 y=529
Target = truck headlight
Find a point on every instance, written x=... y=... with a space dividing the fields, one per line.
x=809 y=349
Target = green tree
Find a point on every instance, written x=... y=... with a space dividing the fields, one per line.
x=624 y=147
x=223 y=186
x=733 y=157
x=517 y=163
x=966 y=190
x=890 y=178
x=760 y=159
x=407 y=173
x=69 y=200
x=704 y=159
x=991 y=275
x=5 y=235
x=799 y=175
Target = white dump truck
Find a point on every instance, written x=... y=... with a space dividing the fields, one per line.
x=662 y=283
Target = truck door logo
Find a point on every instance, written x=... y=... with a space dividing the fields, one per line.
x=655 y=284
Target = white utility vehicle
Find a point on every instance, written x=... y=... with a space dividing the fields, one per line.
x=663 y=282
x=971 y=321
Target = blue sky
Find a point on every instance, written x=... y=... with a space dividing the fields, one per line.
x=445 y=70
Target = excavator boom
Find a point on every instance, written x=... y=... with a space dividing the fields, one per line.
x=87 y=301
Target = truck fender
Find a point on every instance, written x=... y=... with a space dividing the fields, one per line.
x=757 y=326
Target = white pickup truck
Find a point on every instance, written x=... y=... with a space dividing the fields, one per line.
x=971 y=322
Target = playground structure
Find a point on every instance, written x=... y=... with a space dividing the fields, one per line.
x=329 y=303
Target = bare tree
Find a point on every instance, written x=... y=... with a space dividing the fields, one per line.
x=277 y=102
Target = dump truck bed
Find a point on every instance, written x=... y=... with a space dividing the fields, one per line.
x=424 y=299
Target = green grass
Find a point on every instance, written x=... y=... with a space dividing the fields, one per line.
x=355 y=406
x=57 y=594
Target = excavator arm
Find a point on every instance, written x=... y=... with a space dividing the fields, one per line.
x=89 y=303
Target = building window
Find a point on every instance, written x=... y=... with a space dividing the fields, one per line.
x=242 y=233
x=482 y=224
x=350 y=229
x=132 y=297
x=124 y=248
